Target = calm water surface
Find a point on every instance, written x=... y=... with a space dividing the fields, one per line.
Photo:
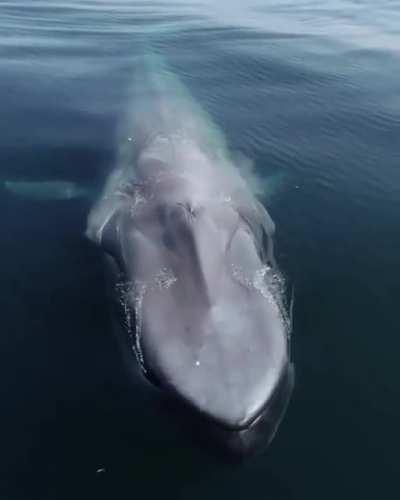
x=309 y=90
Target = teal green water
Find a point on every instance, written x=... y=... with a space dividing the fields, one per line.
x=310 y=92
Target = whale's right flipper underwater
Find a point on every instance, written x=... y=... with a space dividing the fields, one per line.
x=54 y=190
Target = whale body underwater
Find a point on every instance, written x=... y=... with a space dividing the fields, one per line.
x=190 y=249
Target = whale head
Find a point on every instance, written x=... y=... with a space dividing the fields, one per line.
x=208 y=324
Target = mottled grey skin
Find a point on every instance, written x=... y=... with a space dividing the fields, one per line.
x=200 y=288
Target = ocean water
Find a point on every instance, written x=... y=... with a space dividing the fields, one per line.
x=311 y=92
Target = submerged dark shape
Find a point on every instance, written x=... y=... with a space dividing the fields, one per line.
x=197 y=280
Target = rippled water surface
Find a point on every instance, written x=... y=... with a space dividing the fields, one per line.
x=310 y=91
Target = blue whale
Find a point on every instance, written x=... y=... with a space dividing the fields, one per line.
x=192 y=252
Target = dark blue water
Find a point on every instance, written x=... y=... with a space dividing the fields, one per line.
x=308 y=90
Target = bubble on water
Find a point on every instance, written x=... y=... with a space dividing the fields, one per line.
x=165 y=278
x=133 y=292
x=138 y=291
x=137 y=200
x=123 y=291
x=270 y=284
x=262 y=281
x=131 y=295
